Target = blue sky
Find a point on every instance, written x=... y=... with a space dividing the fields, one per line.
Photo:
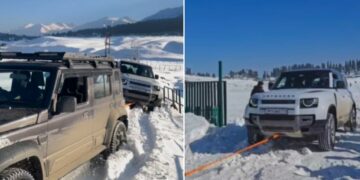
x=15 y=13
x=261 y=34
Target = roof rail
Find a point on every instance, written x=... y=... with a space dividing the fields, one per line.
x=67 y=58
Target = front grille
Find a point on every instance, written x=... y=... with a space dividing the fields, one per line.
x=278 y=101
x=271 y=128
x=139 y=93
x=276 y=117
x=140 y=84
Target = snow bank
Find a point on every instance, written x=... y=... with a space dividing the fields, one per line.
x=195 y=127
x=165 y=159
x=115 y=168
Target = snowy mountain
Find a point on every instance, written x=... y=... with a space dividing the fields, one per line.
x=41 y=29
x=166 y=14
x=103 y=22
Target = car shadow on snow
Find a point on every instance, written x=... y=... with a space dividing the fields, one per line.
x=345 y=143
x=334 y=172
x=221 y=140
x=286 y=143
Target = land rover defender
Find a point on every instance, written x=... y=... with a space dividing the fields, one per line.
x=312 y=102
x=140 y=84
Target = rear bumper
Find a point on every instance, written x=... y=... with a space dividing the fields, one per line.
x=291 y=125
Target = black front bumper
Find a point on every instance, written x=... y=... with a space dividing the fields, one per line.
x=139 y=97
x=306 y=124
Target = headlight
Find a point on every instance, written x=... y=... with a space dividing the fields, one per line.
x=125 y=81
x=253 y=102
x=309 y=102
x=156 y=88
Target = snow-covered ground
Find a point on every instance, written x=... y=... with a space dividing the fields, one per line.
x=283 y=159
x=157 y=48
x=155 y=140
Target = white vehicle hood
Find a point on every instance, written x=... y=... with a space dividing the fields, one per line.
x=141 y=79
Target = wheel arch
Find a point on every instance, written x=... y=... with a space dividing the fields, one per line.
x=26 y=155
x=111 y=126
x=332 y=109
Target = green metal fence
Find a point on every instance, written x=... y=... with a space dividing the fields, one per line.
x=207 y=99
x=175 y=97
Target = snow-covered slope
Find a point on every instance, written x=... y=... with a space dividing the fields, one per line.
x=41 y=29
x=106 y=21
x=166 y=14
x=157 y=48
x=283 y=159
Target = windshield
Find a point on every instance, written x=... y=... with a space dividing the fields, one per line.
x=303 y=79
x=136 y=69
x=23 y=88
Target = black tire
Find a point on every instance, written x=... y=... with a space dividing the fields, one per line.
x=16 y=174
x=254 y=135
x=327 y=137
x=118 y=138
x=152 y=106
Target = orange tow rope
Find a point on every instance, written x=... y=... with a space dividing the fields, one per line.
x=218 y=161
x=128 y=105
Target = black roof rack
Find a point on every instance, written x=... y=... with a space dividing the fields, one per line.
x=67 y=58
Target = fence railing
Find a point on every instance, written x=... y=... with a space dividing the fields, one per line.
x=204 y=99
x=175 y=97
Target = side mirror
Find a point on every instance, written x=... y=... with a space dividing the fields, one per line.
x=270 y=85
x=340 y=84
x=66 y=104
x=156 y=76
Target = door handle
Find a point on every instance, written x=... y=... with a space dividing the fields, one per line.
x=42 y=138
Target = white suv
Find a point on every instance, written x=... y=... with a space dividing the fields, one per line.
x=313 y=102
x=140 y=84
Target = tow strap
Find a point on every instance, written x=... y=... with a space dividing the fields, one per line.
x=218 y=161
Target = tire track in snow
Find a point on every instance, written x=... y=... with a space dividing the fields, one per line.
x=144 y=134
x=165 y=160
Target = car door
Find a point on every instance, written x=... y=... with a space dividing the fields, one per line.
x=340 y=98
x=349 y=101
x=103 y=103
x=69 y=134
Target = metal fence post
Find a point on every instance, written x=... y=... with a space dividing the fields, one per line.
x=220 y=96
x=164 y=97
x=179 y=103
x=173 y=98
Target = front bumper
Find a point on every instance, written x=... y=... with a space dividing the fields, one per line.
x=290 y=125
x=140 y=97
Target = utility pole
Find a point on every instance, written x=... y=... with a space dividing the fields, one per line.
x=107 y=41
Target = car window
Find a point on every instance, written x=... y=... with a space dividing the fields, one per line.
x=136 y=69
x=76 y=87
x=117 y=84
x=24 y=88
x=101 y=86
x=303 y=79
x=335 y=78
